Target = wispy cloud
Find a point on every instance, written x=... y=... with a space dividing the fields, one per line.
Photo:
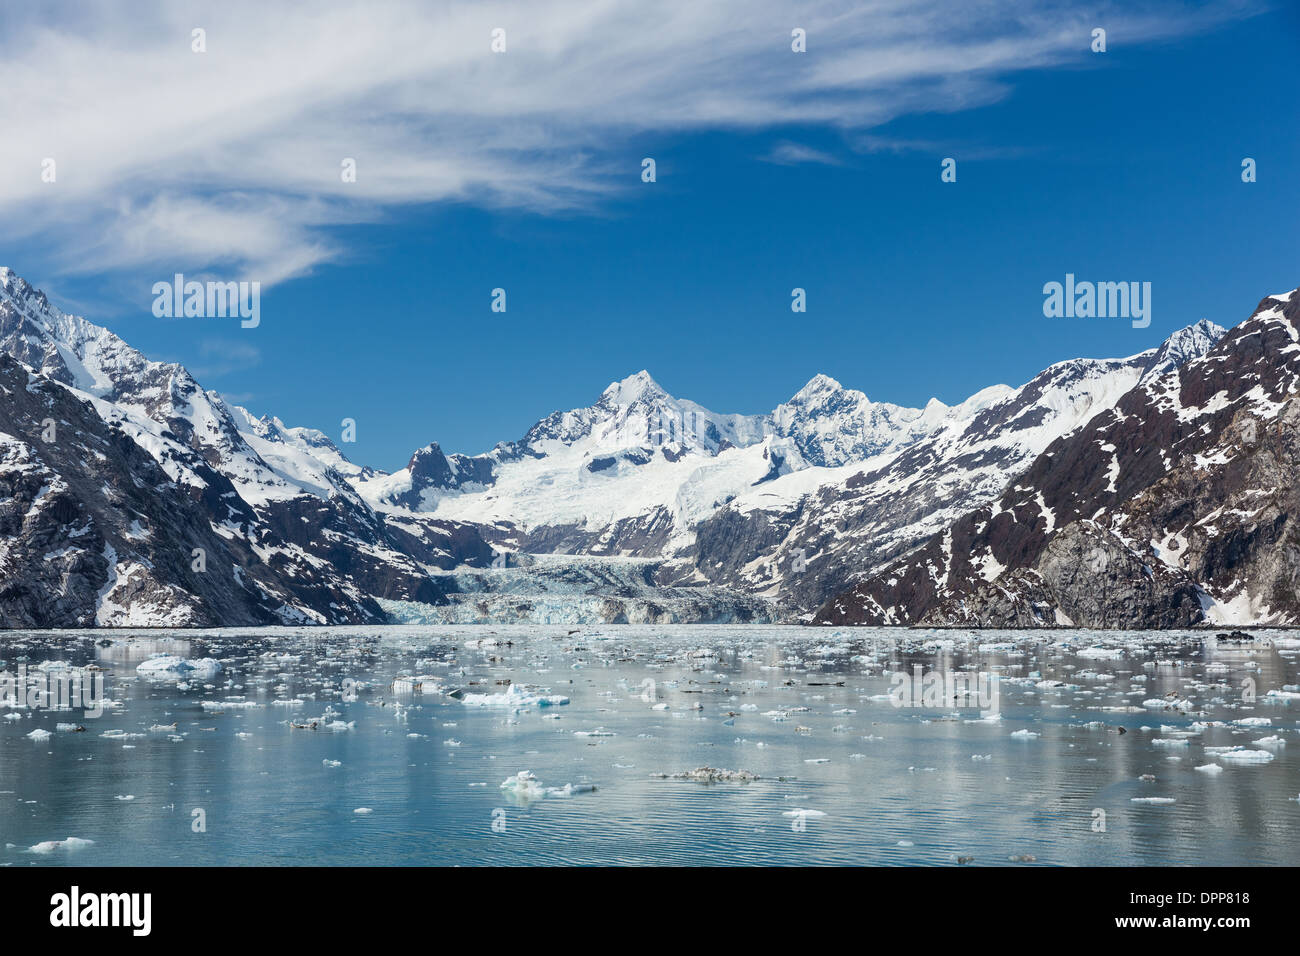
x=786 y=153
x=231 y=158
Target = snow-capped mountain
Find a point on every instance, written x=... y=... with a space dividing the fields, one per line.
x=1174 y=507
x=833 y=425
x=640 y=506
x=637 y=471
x=275 y=494
x=808 y=536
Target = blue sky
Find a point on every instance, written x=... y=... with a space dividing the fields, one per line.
x=1122 y=166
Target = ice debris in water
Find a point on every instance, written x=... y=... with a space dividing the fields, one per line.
x=1240 y=755
x=1101 y=653
x=524 y=786
x=170 y=666
x=418 y=684
x=514 y=698
x=70 y=844
x=710 y=775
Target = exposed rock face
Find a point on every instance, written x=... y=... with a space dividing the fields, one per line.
x=273 y=507
x=92 y=531
x=846 y=530
x=1151 y=491
x=1171 y=508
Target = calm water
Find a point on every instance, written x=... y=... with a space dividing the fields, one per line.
x=804 y=709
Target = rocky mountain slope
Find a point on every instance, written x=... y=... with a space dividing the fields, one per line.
x=647 y=507
x=803 y=543
x=1174 y=507
x=270 y=492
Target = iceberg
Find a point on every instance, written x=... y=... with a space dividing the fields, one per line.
x=515 y=698
x=170 y=666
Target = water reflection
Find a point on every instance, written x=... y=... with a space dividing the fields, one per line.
x=300 y=729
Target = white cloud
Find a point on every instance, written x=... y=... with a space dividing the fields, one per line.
x=786 y=153
x=230 y=159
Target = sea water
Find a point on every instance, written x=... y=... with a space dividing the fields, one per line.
x=525 y=744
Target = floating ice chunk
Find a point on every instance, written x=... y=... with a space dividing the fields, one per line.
x=39 y=734
x=515 y=698
x=524 y=787
x=169 y=666
x=710 y=775
x=125 y=797
x=1157 y=800
x=419 y=684
x=70 y=845
x=1240 y=755
x=363 y=810
x=1166 y=742
x=1102 y=653
x=331 y=763
x=1274 y=741
x=1211 y=768
x=1168 y=703
x=1254 y=722
x=802 y=814
x=1023 y=734
x=569 y=789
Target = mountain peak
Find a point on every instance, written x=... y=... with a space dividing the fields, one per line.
x=636 y=386
x=819 y=384
x=17 y=288
x=1185 y=344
